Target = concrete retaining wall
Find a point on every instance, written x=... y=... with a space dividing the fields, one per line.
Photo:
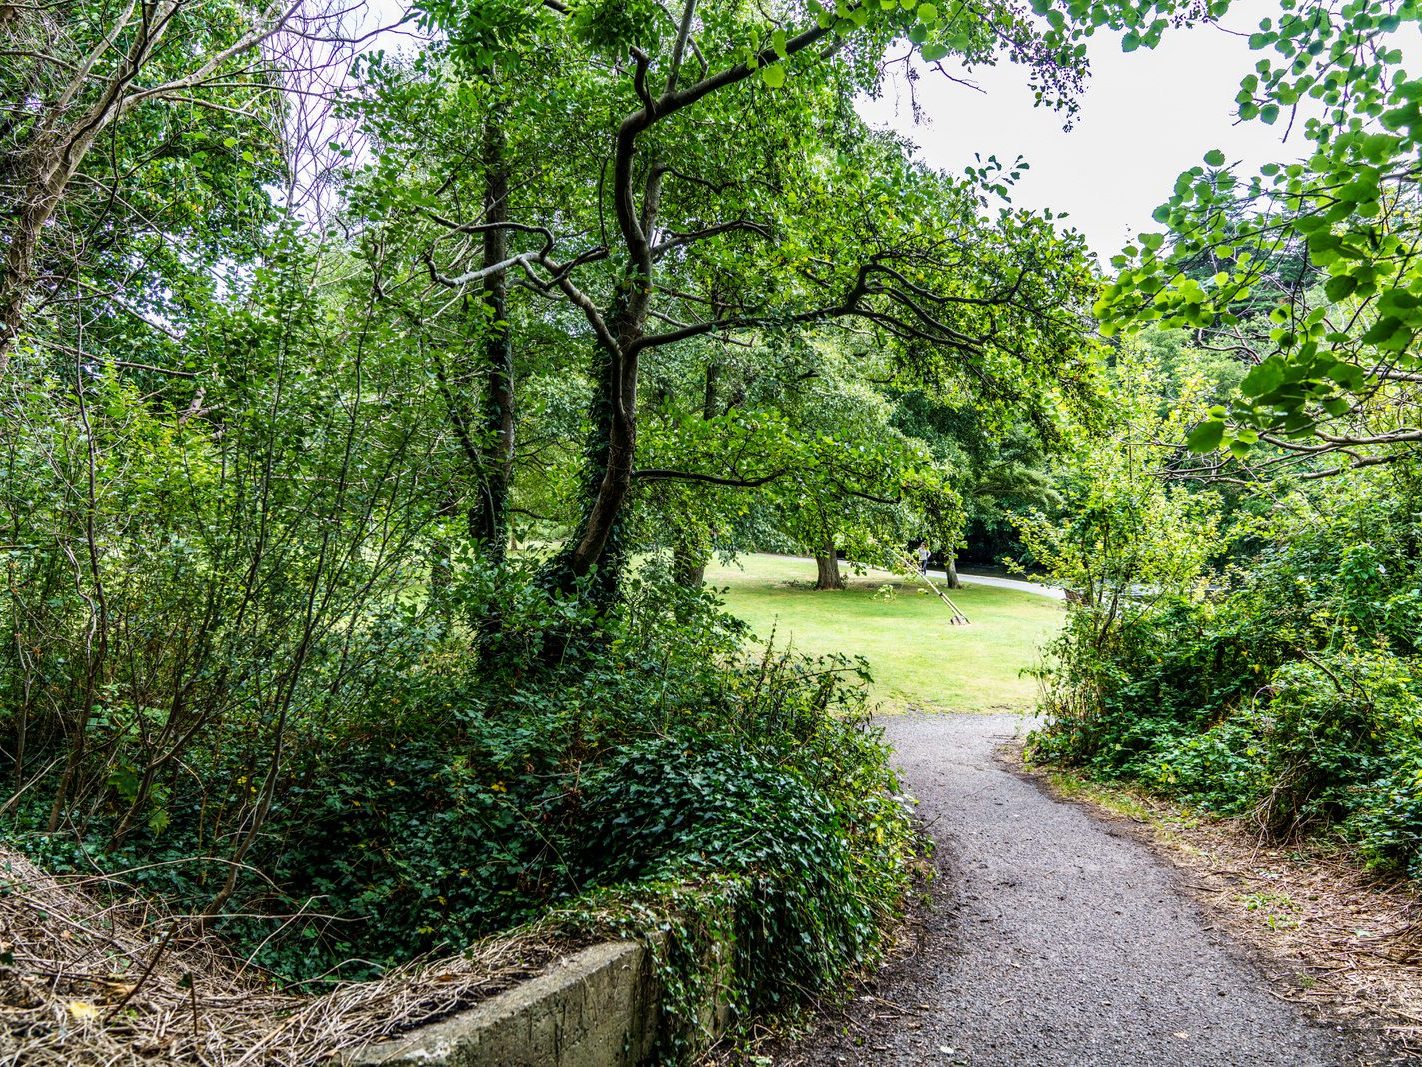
x=596 y=1008
x=600 y=1007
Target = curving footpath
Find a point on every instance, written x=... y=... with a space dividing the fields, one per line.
x=1054 y=940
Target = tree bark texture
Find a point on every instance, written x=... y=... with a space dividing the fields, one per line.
x=827 y=563
x=688 y=565
x=691 y=551
x=613 y=447
x=489 y=518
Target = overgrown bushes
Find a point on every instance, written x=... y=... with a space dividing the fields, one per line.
x=258 y=671
x=1294 y=700
x=455 y=797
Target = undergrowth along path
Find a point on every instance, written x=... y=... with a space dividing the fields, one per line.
x=1054 y=938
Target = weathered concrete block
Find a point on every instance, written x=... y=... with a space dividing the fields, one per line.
x=596 y=1008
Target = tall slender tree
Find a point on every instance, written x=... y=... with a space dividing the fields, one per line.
x=728 y=144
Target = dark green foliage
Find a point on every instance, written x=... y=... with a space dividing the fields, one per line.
x=667 y=809
x=260 y=673
x=1162 y=683
x=1294 y=700
x=453 y=801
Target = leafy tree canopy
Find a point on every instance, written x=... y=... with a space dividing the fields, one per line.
x=1344 y=330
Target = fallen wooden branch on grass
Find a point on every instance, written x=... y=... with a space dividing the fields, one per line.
x=911 y=569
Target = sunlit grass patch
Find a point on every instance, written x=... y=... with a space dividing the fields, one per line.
x=917 y=656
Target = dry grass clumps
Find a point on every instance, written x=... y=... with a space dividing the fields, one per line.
x=83 y=984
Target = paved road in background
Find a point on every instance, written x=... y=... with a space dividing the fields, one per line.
x=981 y=579
x=1002 y=583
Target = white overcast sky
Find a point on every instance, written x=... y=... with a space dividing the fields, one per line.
x=1145 y=117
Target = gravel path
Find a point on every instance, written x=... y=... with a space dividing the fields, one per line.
x=1053 y=940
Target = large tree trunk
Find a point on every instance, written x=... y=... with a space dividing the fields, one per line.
x=709 y=400
x=827 y=562
x=599 y=543
x=489 y=518
x=950 y=568
x=691 y=551
x=442 y=566
x=690 y=573
x=689 y=559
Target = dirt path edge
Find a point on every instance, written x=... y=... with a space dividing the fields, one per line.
x=1294 y=911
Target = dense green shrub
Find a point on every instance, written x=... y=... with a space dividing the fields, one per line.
x=1155 y=681
x=452 y=795
x=668 y=809
x=1293 y=699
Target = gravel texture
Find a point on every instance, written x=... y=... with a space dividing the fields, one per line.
x=1053 y=939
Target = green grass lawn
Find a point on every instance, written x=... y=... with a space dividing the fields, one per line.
x=918 y=658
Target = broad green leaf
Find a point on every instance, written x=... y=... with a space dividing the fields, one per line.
x=1264 y=378
x=1340 y=286
x=1206 y=437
